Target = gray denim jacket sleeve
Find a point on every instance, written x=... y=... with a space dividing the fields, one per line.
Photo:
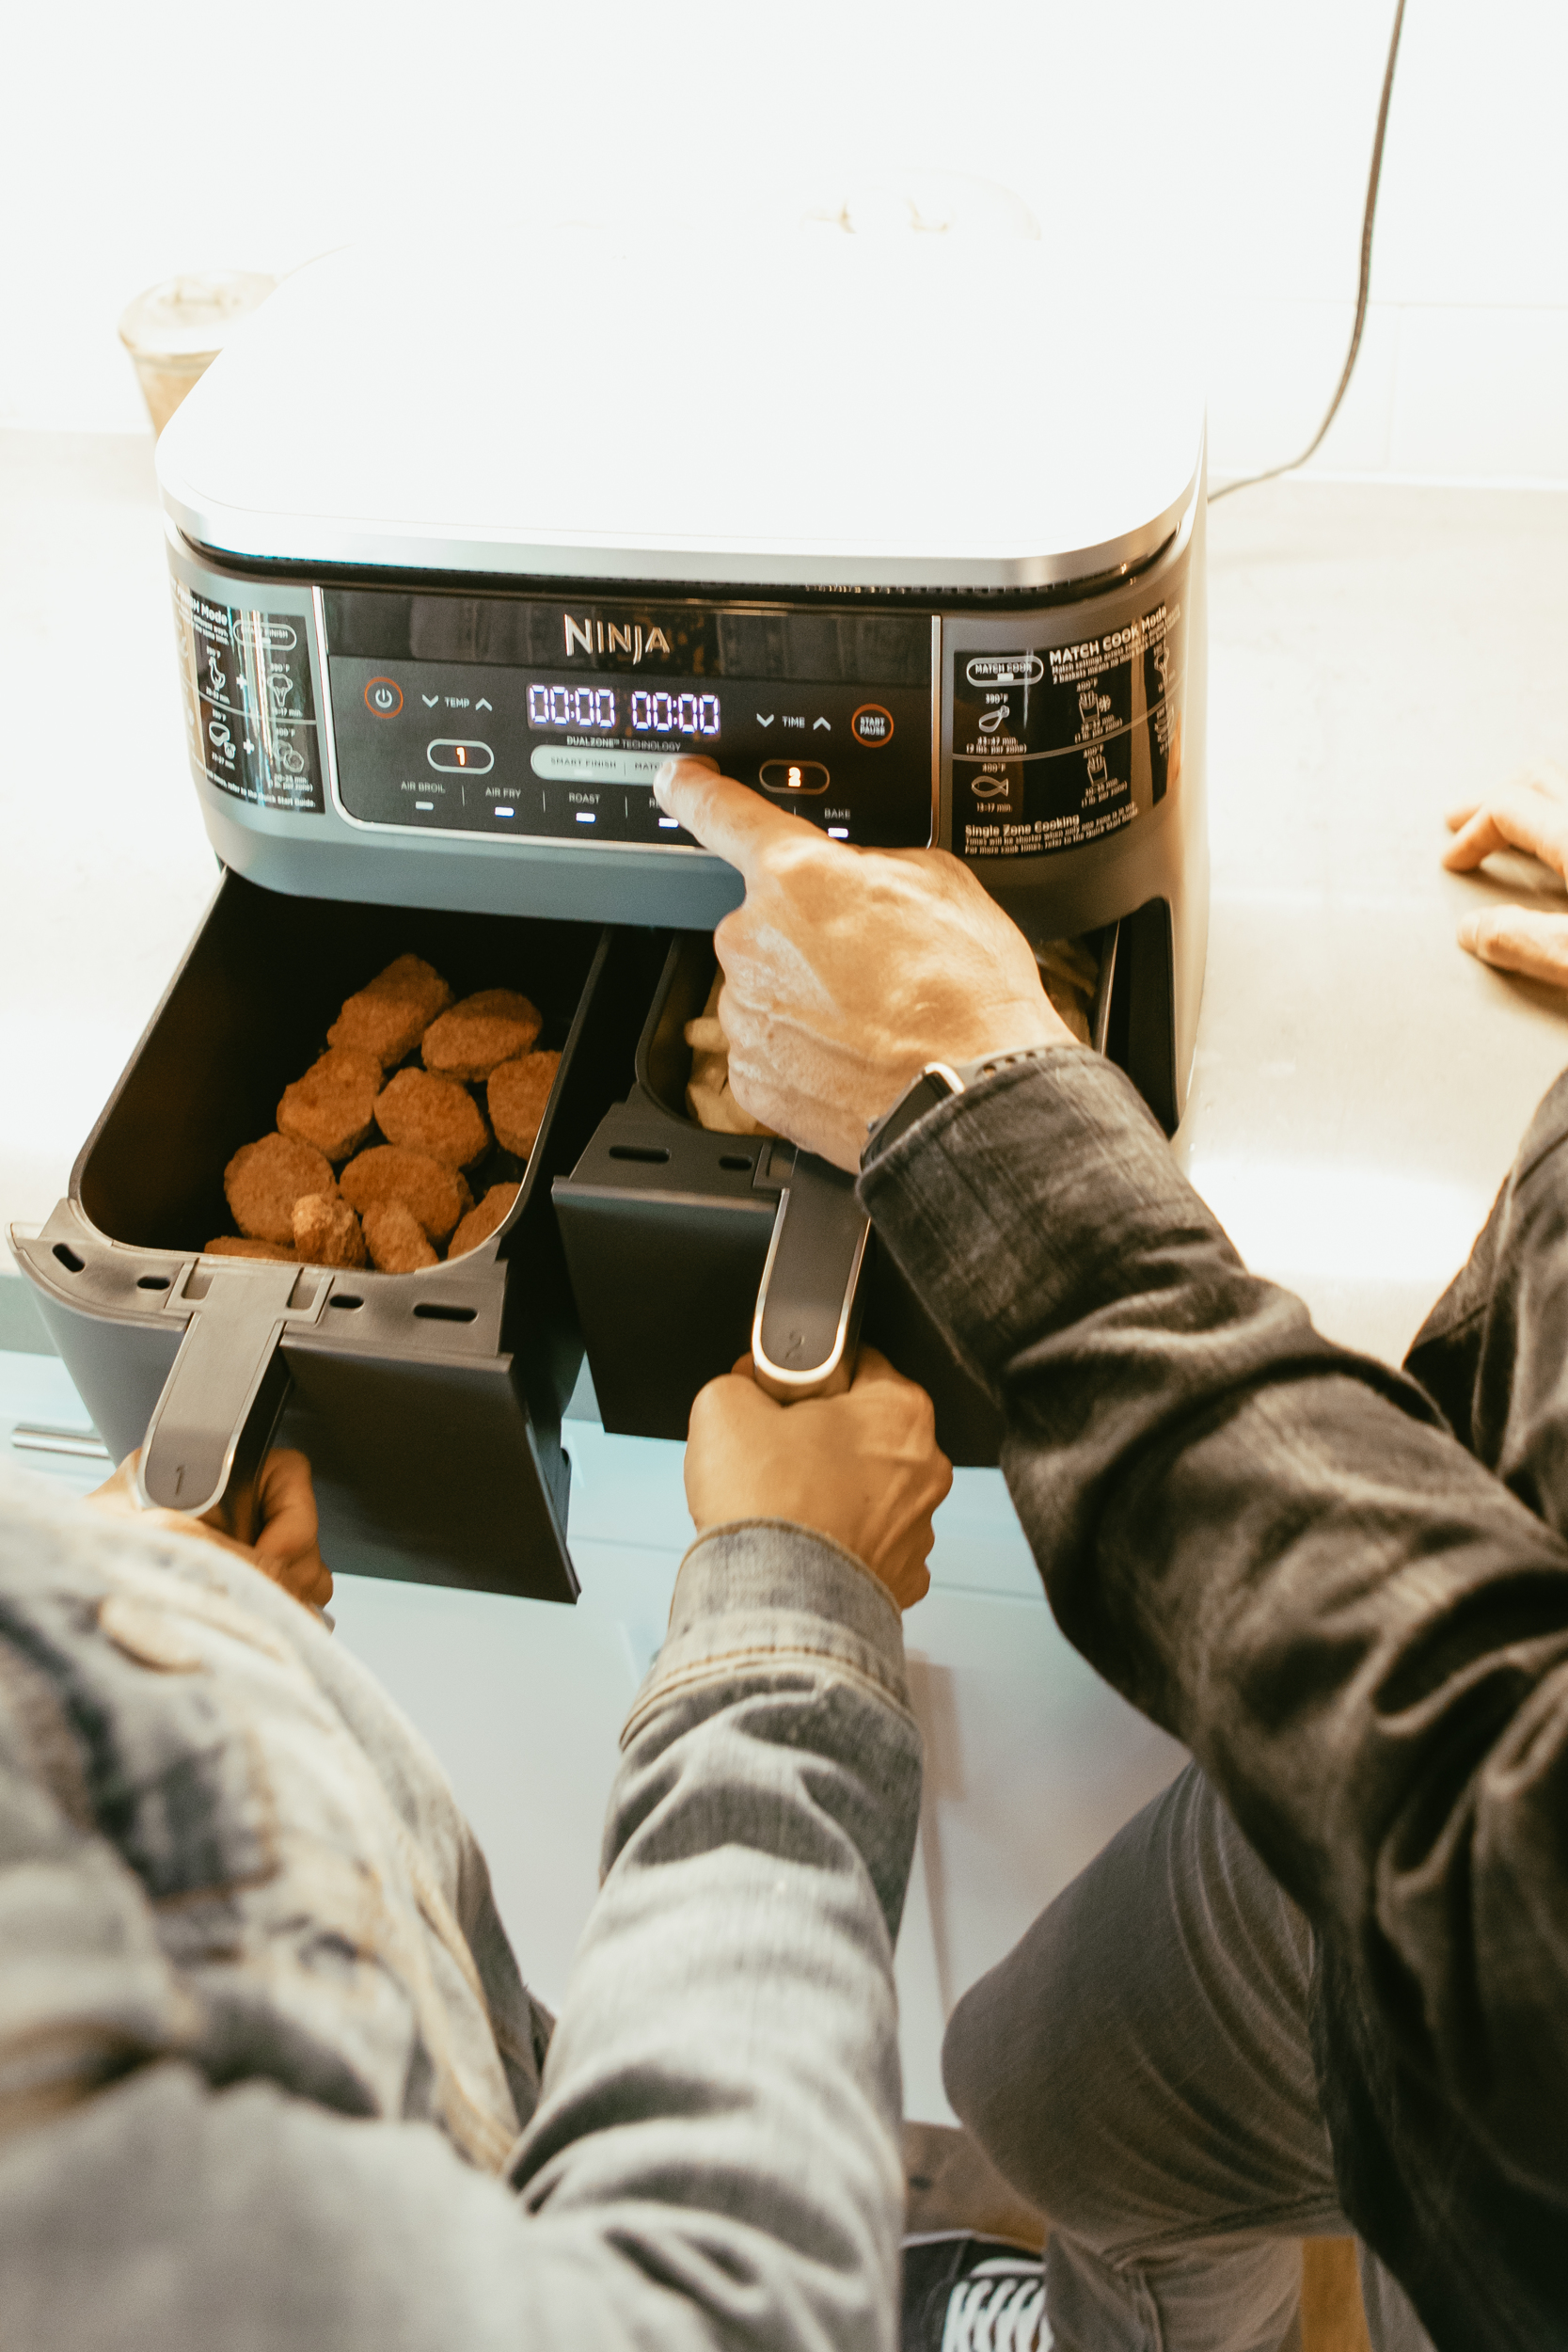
x=205 y=2143
x=1277 y=1550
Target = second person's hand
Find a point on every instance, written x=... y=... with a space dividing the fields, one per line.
x=1529 y=814
x=286 y=1548
x=848 y=970
x=864 y=1468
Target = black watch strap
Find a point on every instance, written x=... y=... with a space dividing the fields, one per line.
x=935 y=1083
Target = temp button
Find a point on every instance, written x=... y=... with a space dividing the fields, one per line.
x=793 y=775
x=472 y=759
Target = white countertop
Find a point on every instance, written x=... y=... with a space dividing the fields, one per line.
x=1360 y=1087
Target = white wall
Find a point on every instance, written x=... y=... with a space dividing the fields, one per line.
x=1220 y=141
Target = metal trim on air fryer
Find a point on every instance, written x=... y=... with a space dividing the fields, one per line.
x=937 y=842
x=680 y=563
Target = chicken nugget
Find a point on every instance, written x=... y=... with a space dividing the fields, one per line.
x=390 y=1014
x=434 y=1115
x=482 y=1222
x=331 y=1105
x=262 y=1182
x=397 y=1242
x=327 y=1231
x=436 y=1194
x=242 y=1245
x=495 y=1025
x=518 y=1094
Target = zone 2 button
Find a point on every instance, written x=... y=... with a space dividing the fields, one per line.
x=872 y=726
x=793 y=775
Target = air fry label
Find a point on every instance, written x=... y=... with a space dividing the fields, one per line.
x=1054 y=746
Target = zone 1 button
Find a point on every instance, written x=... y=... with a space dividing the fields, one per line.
x=383 y=697
x=872 y=726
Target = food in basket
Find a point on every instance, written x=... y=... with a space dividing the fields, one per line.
x=332 y=1105
x=482 y=1222
x=434 y=1115
x=263 y=1180
x=518 y=1093
x=243 y=1246
x=436 y=1194
x=495 y=1025
x=390 y=1015
x=707 y=1094
x=1069 y=975
x=396 y=1239
x=327 y=1231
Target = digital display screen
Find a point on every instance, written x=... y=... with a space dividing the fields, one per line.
x=547 y=752
x=647 y=711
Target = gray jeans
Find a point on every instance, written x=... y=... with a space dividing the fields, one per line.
x=1139 y=2068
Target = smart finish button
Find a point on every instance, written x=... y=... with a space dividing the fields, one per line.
x=383 y=697
x=872 y=726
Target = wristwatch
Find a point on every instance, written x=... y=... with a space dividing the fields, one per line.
x=936 y=1083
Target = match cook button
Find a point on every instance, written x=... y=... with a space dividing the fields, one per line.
x=793 y=775
x=872 y=726
x=384 y=697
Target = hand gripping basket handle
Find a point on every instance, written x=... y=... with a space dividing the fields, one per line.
x=806 y=1329
x=213 y=1422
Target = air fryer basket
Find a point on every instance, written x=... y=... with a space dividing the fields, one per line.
x=430 y=1403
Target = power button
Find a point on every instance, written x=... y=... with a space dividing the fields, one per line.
x=383 y=697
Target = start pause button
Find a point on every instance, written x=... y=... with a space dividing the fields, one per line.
x=872 y=726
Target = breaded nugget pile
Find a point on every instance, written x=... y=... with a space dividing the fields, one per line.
x=434 y=1115
x=518 y=1093
x=331 y=1105
x=390 y=1014
x=395 y=1203
x=494 y=1026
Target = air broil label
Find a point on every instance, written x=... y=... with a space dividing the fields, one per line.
x=1058 y=746
x=250 y=711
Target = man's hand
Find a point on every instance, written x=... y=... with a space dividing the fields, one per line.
x=848 y=970
x=286 y=1548
x=864 y=1468
x=1530 y=814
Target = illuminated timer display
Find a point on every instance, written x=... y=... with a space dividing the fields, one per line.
x=594 y=709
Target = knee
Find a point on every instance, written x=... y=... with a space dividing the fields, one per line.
x=1025 y=2075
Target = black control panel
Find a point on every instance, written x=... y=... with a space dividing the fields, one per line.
x=523 y=717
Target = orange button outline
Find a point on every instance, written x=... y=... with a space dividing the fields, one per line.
x=397 y=690
x=883 y=712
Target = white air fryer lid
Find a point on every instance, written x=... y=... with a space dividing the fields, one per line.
x=787 y=408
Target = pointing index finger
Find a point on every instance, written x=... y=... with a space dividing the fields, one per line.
x=736 y=824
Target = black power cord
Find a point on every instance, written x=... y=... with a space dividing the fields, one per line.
x=1273 y=473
